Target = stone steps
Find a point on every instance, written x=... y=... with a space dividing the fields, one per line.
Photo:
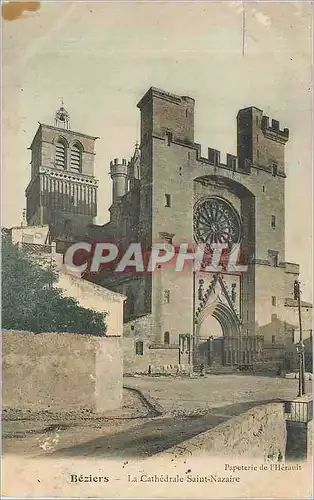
x=220 y=370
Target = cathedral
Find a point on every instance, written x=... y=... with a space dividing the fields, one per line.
x=168 y=192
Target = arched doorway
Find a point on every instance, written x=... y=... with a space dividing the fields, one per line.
x=210 y=341
x=217 y=335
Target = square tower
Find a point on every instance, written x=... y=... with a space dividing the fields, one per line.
x=62 y=191
x=176 y=179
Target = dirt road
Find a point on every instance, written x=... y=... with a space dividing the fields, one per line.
x=191 y=407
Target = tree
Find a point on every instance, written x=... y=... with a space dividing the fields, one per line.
x=32 y=302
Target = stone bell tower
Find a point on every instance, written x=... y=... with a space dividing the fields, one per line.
x=62 y=191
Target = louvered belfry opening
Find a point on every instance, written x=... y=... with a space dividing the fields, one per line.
x=76 y=158
x=60 y=155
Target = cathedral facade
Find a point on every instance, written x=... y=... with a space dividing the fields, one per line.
x=168 y=192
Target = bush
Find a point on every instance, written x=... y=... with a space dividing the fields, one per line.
x=31 y=301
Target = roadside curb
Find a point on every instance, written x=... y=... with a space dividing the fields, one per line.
x=153 y=406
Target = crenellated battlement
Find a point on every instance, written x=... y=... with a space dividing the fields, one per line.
x=117 y=162
x=119 y=176
x=214 y=158
x=226 y=161
x=273 y=131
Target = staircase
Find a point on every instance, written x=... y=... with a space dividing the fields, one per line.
x=221 y=369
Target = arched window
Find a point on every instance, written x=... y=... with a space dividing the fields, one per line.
x=60 y=161
x=76 y=158
x=167 y=338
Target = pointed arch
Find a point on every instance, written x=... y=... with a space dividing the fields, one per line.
x=228 y=320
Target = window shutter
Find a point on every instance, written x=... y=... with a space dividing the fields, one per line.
x=60 y=155
x=76 y=157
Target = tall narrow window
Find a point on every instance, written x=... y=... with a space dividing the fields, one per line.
x=167 y=297
x=139 y=348
x=76 y=158
x=273 y=221
x=273 y=300
x=60 y=160
x=169 y=138
x=167 y=200
x=273 y=339
x=274 y=169
x=167 y=338
x=273 y=258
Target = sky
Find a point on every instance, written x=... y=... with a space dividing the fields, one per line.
x=102 y=57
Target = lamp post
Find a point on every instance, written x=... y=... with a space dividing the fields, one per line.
x=300 y=345
x=194 y=342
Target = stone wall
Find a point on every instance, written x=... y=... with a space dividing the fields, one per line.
x=95 y=297
x=297 y=440
x=260 y=433
x=155 y=359
x=310 y=439
x=61 y=371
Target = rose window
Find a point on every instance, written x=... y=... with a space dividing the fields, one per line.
x=216 y=221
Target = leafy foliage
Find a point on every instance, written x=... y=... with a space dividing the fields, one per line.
x=32 y=302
